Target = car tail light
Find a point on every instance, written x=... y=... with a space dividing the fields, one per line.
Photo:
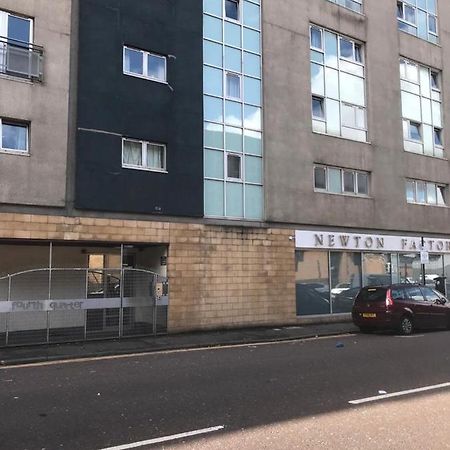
x=389 y=301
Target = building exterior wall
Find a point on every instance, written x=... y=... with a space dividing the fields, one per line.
x=218 y=276
x=40 y=177
x=292 y=148
x=112 y=106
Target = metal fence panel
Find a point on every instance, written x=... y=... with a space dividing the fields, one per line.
x=65 y=305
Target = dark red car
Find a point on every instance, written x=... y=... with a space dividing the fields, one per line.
x=402 y=307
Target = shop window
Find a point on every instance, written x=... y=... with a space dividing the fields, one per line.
x=312 y=288
x=345 y=275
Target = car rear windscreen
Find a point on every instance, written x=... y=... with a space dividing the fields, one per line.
x=377 y=294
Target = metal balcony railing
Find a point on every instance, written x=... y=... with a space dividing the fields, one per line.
x=21 y=59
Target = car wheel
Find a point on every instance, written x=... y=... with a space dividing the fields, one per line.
x=365 y=329
x=406 y=326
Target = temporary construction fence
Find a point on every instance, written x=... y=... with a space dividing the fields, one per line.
x=55 y=305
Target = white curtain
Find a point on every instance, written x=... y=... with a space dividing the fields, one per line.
x=132 y=153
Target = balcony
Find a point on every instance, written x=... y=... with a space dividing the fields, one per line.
x=21 y=59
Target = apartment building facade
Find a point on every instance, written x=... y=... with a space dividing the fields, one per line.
x=217 y=164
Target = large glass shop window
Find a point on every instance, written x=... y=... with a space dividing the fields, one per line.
x=376 y=269
x=409 y=268
x=434 y=269
x=345 y=271
x=311 y=286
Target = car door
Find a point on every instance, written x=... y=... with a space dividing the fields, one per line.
x=419 y=306
x=438 y=309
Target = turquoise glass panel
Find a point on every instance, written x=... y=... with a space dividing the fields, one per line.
x=252 y=65
x=213 y=7
x=212 y=28
x=331 y=50
x=212 y=53
x=252 y=91
x=254 y=202
x=235 y=200
x=233 y=139
x=252 y=40
x=213 y=81
x=253 y=142
x=233 y=113
x=214 y=198
x=232 y=34
x=251 y=15
x=213 y=109
x=213 y=163
x=252 y=117
x=233 y=58
x=253 y=169
x=213 y=135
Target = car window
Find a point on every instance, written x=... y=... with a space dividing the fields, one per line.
x=430 y=295
x=397 y=294
x=414 y=293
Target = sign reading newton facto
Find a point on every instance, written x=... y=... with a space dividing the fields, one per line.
x=368 y=242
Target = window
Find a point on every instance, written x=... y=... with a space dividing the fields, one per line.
x=421 y=109
x=355 y=5
x=232 y=9
x=233 y=84
x=143 y=155
x=350 y=50
x=18 y=56
x=337 y=85
x=316 y=38
x=144 y=64
x=234 y=166
x=418 y=17
x=341 y=181
x=414 y=131
x=318 y=111
x=14 y=136
x=414 y=293
x=425 y=193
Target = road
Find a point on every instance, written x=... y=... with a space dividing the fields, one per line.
x=277 y=396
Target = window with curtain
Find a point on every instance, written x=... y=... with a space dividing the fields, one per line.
x=143 y=155
x=14 y=136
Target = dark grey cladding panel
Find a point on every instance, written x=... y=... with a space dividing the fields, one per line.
x=123 y=105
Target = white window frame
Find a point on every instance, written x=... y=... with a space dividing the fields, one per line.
x=321 y=49
x=236 y=155
x=354 y=44
x=234 y=74
x=144 y=152
x=322 y=100
x=145 y=57
x=4 y=17
x=356 y=173
x=419 y=124
x=239 y=11
x=426 y=183
x=19 y=124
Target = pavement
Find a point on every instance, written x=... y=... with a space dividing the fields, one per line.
x=57 y=352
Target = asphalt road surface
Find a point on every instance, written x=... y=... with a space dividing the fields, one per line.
x=274 y=396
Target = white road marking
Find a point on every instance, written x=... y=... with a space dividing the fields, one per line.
x=399 y=394
x=166 y=352
x=166 y=438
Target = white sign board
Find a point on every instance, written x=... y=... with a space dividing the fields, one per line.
x=424 y=257
x=321 y=240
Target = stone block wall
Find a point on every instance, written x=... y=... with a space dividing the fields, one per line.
x=220 y=276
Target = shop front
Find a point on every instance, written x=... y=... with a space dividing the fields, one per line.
x=331 y=267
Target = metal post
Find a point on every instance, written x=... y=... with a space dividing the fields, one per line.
x=86 y=311
x=122 y=281
x=155 y=304
x=8 y=314
x=423 y=265
x=49 y=288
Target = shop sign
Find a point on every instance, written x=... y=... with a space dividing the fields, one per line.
x=368 y=242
